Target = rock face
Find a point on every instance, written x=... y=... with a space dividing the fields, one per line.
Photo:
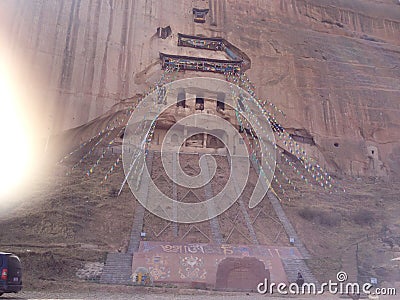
x=332 y=66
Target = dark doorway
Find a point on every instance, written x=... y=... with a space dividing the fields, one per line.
x=220 y=101
x=240 y=274
x=220 y=105
x=200 y=15
x=181 y=99
x=164 y=32
x=199 y=103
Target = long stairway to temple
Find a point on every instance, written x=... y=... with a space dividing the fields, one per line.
x=239 y=232
x=239 y=246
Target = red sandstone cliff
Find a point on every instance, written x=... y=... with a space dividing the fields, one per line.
x=332 y=66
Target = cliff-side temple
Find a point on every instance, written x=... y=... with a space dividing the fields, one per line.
x=199 y=64
x=239 y=61
x=202 y=144
x=227 y=252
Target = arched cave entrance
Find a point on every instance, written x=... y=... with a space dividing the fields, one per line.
x=240 y=274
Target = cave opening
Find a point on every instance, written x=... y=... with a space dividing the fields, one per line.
x=199 y=103
x=181 y=99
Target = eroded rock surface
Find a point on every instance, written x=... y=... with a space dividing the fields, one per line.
x=332 y=66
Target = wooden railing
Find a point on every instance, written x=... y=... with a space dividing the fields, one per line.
x=216 y=44
x=199 y=64
x=239 y=62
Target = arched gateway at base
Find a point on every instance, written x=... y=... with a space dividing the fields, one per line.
x=243 y=274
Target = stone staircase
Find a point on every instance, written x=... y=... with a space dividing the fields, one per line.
x=214 y=224
x=293 y=266
x=118 y=269
x=139 y=214
x=247 y=219
x=244 y=212
x=174 y=193
x=290 y=231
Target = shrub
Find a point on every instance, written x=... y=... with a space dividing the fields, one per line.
x=364 y=217
x=330 y=218
x=325 y=218
x=308 y=213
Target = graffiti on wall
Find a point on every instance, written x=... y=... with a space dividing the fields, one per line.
x=200 y=249
x=192 y=267
x=158 y=268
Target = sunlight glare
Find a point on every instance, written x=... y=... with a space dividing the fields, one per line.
x=16 y=142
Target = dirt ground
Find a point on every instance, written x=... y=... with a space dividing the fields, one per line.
x=97 y=291
x=126 y=293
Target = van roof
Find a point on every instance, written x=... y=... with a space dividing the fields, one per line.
x=5 y=253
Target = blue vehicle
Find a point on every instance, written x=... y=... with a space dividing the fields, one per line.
x=10 y=273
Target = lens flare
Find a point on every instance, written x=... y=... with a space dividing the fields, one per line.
x=16 y=141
